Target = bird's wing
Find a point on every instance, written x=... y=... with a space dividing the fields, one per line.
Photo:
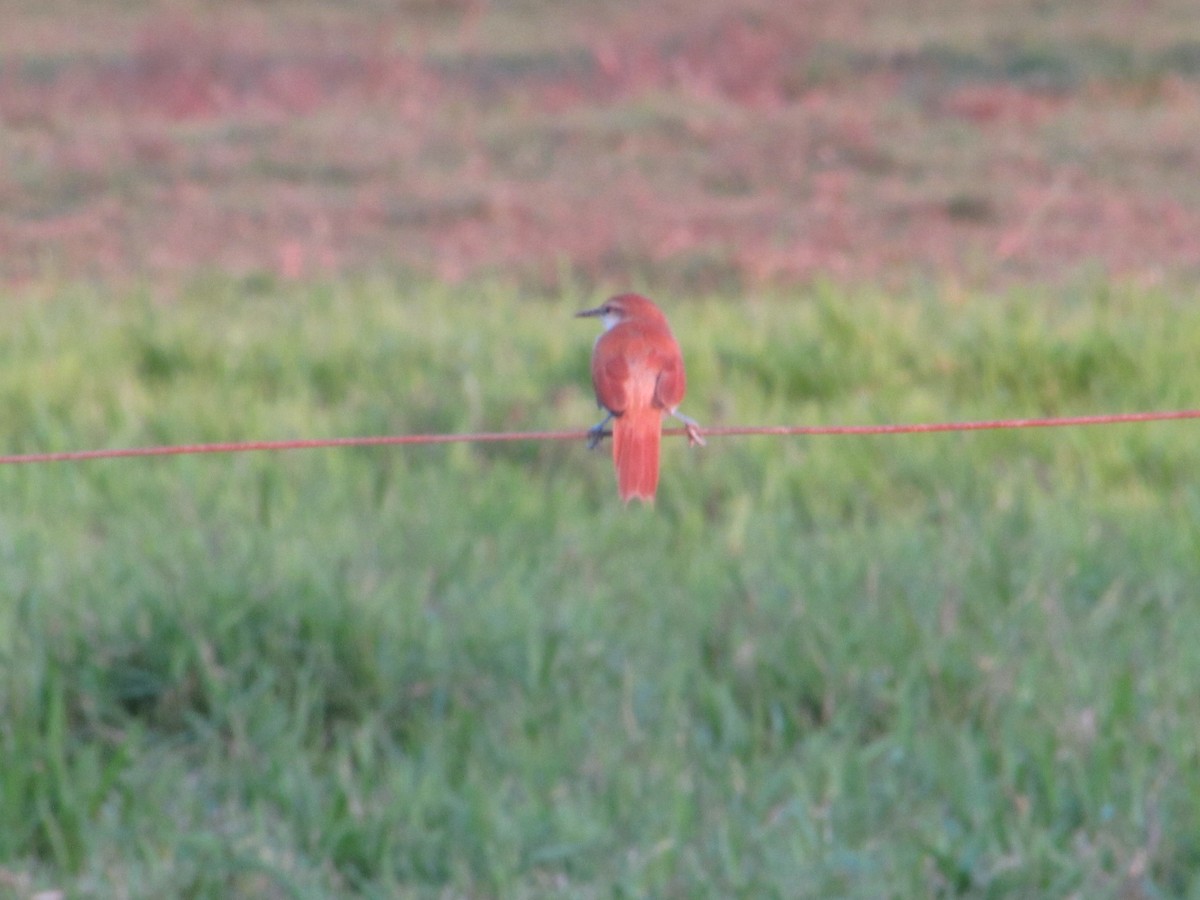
x=672 y=382
x=610 y=372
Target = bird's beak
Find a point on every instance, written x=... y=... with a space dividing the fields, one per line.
x=598 y=311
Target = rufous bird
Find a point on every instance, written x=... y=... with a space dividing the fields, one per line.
x=637 y=371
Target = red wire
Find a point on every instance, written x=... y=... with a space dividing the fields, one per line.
x=987 y=425
x=498 y=436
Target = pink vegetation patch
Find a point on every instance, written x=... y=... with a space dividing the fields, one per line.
x=756 y=144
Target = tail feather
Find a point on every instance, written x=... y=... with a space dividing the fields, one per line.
x=636 y=437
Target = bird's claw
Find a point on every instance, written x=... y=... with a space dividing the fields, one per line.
x=691 y=428
x=596 y=432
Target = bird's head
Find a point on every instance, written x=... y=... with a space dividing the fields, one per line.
x=623 y=308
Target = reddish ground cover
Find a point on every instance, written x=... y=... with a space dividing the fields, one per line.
x=709 y=143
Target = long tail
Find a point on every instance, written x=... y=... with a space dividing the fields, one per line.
x=636 y=436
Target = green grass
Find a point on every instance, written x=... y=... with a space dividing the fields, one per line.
x=896 y=666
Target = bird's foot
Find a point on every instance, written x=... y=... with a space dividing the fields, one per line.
x=691 y=428
x=596 y=432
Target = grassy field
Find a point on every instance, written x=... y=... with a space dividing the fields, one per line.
x=940 y=665
x=902 y=666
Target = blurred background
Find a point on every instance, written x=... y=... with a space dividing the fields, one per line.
x=705 y=143
x=900 y=666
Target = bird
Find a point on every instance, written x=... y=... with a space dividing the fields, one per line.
x=638 y=375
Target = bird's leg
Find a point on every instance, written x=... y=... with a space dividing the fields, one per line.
x=691 y=426
x=596 y=432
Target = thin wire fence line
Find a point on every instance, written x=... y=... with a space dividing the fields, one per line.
x=580 y=435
